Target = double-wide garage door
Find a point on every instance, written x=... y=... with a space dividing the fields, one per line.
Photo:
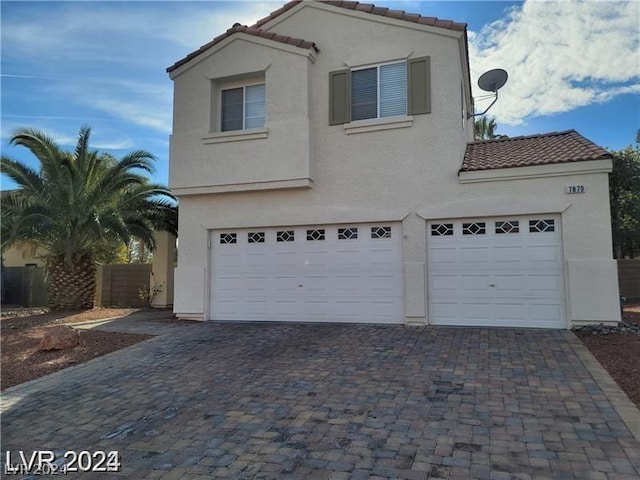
x=337 y=273
x=505 y=271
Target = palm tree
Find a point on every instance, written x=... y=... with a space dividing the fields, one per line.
x=77 y=206
x=485 y=129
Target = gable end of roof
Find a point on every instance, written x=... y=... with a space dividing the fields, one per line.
x=372 y=9
x=257 y=31
x=254 y=31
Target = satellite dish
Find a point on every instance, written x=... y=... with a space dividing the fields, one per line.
x=491 y=81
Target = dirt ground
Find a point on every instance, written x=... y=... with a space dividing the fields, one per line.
x=21 y=331
x=620 y=355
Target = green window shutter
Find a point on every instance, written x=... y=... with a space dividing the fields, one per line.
x=419 y=83
x=339 y=97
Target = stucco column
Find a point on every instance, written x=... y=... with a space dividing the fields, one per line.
x=162 y=269
x=414 y=245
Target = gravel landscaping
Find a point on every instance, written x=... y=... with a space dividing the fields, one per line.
x=618 y=350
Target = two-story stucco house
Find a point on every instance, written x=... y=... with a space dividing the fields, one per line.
x=326 y=170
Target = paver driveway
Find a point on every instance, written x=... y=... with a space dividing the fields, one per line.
x=319 y=401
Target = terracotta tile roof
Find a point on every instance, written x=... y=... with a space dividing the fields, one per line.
x=257 y=32
x=541 y=149
x=361 y=7
x=369 y=8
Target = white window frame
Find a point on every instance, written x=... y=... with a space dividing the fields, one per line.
x=244 y=105
x=377 y=67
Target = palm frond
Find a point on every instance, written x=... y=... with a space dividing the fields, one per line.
x=84 y=201
x=82 y=145
x=27 y=178
x=143 y=231
x=138 y=159
x=43 y=147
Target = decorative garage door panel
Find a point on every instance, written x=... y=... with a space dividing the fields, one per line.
x=337 y=273
x=505 y=271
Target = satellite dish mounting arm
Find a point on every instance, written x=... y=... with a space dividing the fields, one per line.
x=471 y=115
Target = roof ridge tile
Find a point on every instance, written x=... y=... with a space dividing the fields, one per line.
x=524 y=137
x=365 y=7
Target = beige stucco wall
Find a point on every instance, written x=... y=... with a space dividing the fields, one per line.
x=162 y=269
x=21 y=255
x=590 y=282
x=283 y=155
x=408 y=174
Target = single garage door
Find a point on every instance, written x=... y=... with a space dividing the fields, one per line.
x=327 y=273
x=505 y=271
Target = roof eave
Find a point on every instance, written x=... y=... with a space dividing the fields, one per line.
x=524 y=172
x=249 y=31
x=384 y=14
x=186 y=63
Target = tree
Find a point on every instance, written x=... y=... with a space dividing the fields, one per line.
x=624 y=194
x=485 y=129
x=79 y=206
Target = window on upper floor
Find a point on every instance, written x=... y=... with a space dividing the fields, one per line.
x=383 y=90
x=379 y=91
x=242 y=108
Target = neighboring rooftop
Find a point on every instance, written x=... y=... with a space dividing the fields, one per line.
x=542 y=149
x=361 y=7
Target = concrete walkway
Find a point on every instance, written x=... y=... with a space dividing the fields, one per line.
x=150 y=322
x=320 y=401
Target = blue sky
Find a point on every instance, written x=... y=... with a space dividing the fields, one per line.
x=571 y=64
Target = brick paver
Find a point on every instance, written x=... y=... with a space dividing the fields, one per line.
x=319 y=401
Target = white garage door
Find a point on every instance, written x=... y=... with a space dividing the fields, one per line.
x=336 y=273
x=503 y=271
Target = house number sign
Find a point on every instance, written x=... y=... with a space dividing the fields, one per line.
x=574 y=189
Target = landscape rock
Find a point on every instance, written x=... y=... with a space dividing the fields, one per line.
x=624 y=328
x=59 y=337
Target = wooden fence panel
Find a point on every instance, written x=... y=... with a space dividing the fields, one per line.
x=116 y=285
x=119 y=285
x=24 y=286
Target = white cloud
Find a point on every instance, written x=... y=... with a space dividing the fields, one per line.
x=560 y=55
x=193 y=30
x=141 y=103
x=111 y=32
x=139 y=113
x=9 y=129
x=103 y=137
x=116 y=68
